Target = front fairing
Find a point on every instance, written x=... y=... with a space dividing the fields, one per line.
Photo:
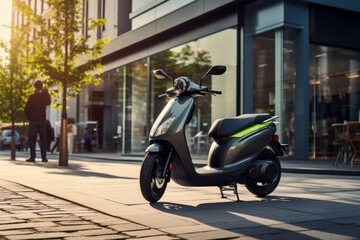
x=172 y=118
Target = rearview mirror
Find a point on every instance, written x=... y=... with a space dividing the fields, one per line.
x=161 y=74
x=216 y=70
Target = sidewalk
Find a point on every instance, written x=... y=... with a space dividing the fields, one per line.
x=95 y=189
x=29 y=214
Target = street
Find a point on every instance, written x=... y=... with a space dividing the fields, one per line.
x=304 y=206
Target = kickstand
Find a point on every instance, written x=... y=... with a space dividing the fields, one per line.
x=232 y=187
x=221 y=191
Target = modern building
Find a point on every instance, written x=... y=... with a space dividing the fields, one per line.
x=297 y=59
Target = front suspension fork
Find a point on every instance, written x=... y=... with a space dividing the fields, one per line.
x=167 y=163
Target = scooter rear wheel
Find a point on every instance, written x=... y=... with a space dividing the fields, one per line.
x=262 y=189
x=152 y=185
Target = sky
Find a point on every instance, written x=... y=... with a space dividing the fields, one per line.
x=5 y=19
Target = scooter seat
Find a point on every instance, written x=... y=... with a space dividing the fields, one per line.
x=225 y=127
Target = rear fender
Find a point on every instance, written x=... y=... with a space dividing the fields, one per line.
x=278 y=148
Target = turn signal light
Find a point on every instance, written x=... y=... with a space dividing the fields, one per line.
x=171 y=166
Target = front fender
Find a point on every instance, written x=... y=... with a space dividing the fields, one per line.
x=161 y=149
x=155 y=147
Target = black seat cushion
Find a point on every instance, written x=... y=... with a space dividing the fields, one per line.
x=225 y=127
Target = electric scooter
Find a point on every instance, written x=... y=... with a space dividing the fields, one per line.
x=245 y=148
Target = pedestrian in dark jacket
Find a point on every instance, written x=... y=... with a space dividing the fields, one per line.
x=49 y=135
x=87 y=140
x=35 y=112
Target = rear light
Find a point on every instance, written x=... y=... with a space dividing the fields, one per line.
x=276 y=137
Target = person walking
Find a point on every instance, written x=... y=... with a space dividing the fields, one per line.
x=35 y=112
x=57 y=137
x=72 y=132
x=87 y=140
x=49 y=135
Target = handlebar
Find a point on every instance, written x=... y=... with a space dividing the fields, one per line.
x=206 y=91
x=215 y=91
x=171 y=92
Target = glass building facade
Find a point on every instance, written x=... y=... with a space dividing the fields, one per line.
x=281 y=56
x=130 y=102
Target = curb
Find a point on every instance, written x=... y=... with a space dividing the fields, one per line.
x=321 y=171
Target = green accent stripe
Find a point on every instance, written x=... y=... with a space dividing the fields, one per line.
x=251 y=129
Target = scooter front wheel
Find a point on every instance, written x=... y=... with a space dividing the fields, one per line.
x=152 y=185
x=262 y=189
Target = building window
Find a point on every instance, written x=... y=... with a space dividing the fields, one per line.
x=101 y=13
x=138 y=104
x=274 y=79
x=103 y=16
x=85 y=14
x=135 y=107
x=193 y=59
x=334 y=95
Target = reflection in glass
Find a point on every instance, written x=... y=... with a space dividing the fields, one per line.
x=264 y=73
x=274 y=84
x=194 y=59
x=97 y=103
x=130 y=113
x=135 y=107
x=119 y=74
x=334 y=95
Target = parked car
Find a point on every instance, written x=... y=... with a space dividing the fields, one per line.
x=5 y=140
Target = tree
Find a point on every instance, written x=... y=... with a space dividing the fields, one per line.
x=15 y=77
x=64 y=55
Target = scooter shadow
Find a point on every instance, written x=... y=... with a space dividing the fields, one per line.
x=275 y=217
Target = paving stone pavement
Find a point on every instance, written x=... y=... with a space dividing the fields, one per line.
x=29 y=214
x=102 y=200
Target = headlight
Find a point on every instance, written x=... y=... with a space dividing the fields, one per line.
x=180 y=85
x=165 y=126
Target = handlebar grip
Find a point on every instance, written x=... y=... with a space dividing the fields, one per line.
x=215 y=91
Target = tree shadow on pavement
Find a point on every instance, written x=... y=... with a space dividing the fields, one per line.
x=72 y=169
x=273 y=218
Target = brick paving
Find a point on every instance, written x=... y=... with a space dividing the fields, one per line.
x=103 y=201
x=28 y=214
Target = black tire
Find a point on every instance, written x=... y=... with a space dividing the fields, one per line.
x=152 y=187
x=263 y=189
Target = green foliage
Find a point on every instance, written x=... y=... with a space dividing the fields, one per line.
x=64 y=55
x=186 y=62
x=15 y=74
x=196 y=64
x=189 y=61
x=37 y=49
